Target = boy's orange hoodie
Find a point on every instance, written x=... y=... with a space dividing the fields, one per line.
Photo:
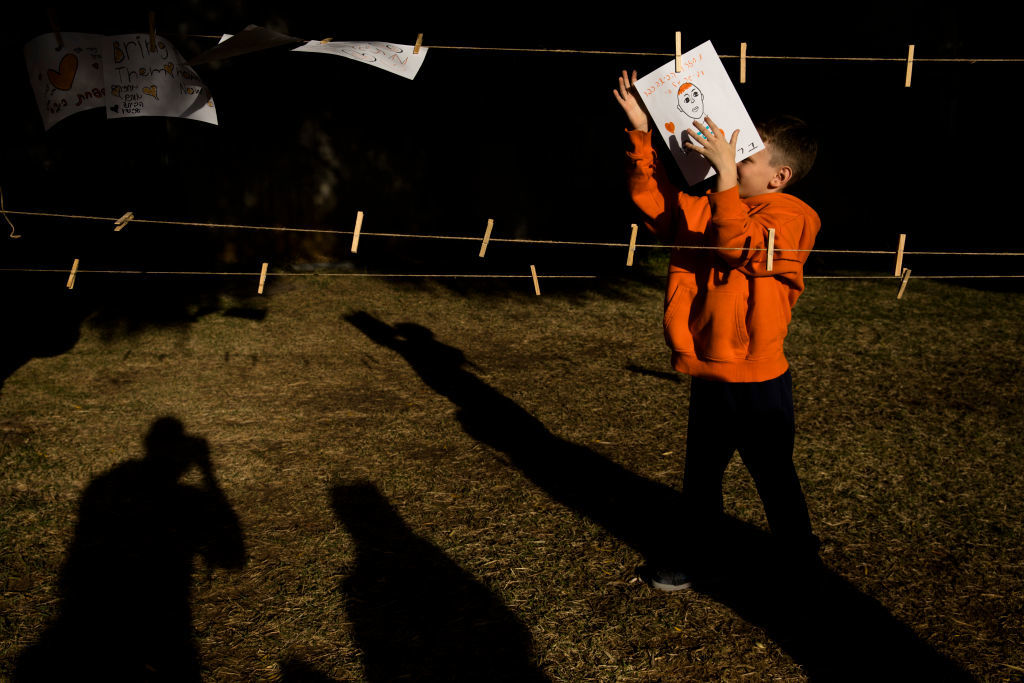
x=726 y=315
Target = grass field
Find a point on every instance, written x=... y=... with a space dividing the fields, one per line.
x=460 y=482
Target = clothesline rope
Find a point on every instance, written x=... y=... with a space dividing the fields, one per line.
x=470 y=238
x=255 y=274
x=628 y=53
x=969 y=60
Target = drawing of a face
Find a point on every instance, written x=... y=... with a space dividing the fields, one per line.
x=691 y=101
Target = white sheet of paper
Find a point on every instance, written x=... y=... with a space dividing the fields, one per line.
x=702 y=88
x=66 y=80
x=144 y=82
x=398 y=59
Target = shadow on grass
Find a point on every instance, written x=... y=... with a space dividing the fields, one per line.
x=647 y=372
x=124 y=611
x=416 y=614
x=41 y=322
x=831 y=629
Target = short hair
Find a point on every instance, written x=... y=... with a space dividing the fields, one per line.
x=790 y=143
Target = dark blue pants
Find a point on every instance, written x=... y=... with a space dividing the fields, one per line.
x=756 y=419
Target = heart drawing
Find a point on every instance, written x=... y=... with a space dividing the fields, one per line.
x=65 y=75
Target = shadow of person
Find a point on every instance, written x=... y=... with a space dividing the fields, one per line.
x=833 y=630
x=124 y=613
x=416 y=614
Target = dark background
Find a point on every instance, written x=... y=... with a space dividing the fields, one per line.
x=532 y=140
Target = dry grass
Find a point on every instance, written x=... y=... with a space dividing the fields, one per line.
x=400 y=512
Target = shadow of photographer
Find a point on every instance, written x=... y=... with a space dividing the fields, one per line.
x=125 y=613
x=833 y=630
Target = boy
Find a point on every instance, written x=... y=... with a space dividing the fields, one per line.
x=726 y=317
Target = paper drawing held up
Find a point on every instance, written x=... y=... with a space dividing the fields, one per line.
x=68 y=79
x=702 y=88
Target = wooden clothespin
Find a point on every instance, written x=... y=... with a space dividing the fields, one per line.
x=632 y=246
x=152 y=31
x=536 y=282
x=743 y=62
x=53 y=27
x=263 y=278
x=355 y=233
x=771 y=248
x=71 y=277
x=899 y=255
x=418 y=45
x=910 y=65
x=487 y=237
x=903 y=284
x=679 y=51
x=14 y=235
x=123 y=221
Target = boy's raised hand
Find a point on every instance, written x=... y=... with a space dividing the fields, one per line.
x=713 y=146
x=629 y=100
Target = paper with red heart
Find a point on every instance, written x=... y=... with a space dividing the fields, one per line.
x=68 y=79
x=680 y=100
x=152 y=79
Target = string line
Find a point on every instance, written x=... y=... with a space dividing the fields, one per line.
x=506 y=240
x=970 y=60
x=627 y=53
x=256 y=274
x=285 y=274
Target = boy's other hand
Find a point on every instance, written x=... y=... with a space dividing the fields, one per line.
x=710 y=142
x=627 y=97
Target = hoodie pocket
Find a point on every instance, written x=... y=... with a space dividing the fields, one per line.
x=718 y=326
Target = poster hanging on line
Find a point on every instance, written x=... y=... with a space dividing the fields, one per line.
x=68 y=79
x=152 y=80
x=701 y=88
x=398 y=59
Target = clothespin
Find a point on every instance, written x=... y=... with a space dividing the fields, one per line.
x=418 y=45
x=771 y=248
x=632 y=246
x=14 y=235
x=355 y=234
x=536 y=282
x=53 y=27
x=263 y=278
x=910 y=65
x=743 y=62
x=152 y=31
x=487 y=237
x=899 y=255
x=123 y=221
x=71 y=277
x=903 y=284
x=679 y=51
x=326 y=40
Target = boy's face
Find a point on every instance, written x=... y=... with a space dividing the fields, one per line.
x=755 y=175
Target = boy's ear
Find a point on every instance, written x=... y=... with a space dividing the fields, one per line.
x=782 y=176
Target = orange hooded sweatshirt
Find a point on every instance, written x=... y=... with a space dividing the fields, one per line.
x=726 y=315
